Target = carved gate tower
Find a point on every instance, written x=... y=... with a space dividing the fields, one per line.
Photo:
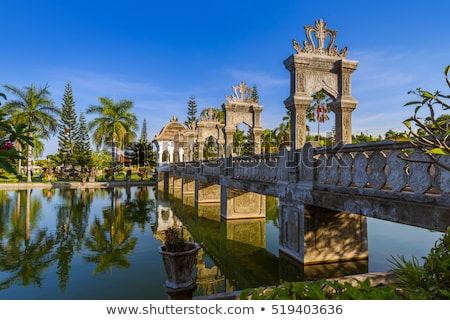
x=242 y=106
x=313 y=68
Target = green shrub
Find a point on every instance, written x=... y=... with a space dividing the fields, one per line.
x=323 y=290
x=413 y=281
x=432 y=281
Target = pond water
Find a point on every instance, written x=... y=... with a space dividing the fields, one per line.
x=103 y=244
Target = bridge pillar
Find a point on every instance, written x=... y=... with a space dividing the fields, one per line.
x=246 y=231
x=333 y=236
x=210 y=211
x=188 y=187
x=163 y=181
x=240 y=204
x=314 y=235
x=188 y=192
x=292 y=229
x=206 y=193
x=175 y=186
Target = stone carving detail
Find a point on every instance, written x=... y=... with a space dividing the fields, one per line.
x=360 y=174
x=209 y=115
x=322 y=80
x=419 y=177
x=322 y=171
x=300 y=82
x=377 y=162
x=396 y=174
x=345 y=84
x=442 y=182
x=345 y=172
x=321 y=34
x=334 y=171
x=241 y=93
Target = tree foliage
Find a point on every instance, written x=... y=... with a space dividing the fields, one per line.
x=82 y=147
x=141 y=152
x=13 y=137
x=430 y=134
x=319 y=109
x=113 y=121
x=191 y=112
x=34 y=108
x=67 y=128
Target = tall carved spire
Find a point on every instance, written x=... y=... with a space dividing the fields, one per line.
x=321 y=34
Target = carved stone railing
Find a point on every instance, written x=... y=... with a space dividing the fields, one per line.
x=258 y=168
x=380 y=166
x=215 y=167
x=374 y=166
x=263 y=167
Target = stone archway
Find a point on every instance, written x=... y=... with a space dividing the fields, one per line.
x=314 y=68
x=209 y=125
x=242 y=107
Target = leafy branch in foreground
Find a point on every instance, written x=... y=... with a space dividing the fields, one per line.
x=432 y=134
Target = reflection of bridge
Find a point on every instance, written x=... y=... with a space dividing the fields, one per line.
x=368 y=179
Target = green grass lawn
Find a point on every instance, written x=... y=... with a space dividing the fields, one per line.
x=11 y=178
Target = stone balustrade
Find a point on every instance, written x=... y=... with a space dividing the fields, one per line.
x=376 y=166
x=381 y=166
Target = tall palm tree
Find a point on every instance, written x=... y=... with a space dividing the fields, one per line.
x=319 y=109
x=268 y=141
x=114 y=121
x=34 y=108
x=283 y=131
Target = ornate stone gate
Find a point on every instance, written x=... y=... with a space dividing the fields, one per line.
x=314 y=68
x=242 y=107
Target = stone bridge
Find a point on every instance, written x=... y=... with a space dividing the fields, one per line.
x=323 y=193
x=377 y=180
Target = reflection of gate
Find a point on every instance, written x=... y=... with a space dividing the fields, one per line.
x=242 y=106
x=315 y=68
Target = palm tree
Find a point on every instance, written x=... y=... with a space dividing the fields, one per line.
x=34 y=108
x=268 y=141
x=320 y=106
x=239 y=139
x=283 y=131
x=114 y=120
x=17 y=134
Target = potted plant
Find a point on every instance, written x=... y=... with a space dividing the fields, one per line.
x=179 y=257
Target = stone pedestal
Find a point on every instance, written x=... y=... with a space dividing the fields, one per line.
x=179 y=265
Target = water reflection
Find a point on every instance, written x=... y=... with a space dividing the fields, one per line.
x=24 y=258
x=103 y=244
x=110 y=238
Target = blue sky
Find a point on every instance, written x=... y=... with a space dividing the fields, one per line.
x=159 y=53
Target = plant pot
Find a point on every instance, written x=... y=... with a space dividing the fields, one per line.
x=179 y=266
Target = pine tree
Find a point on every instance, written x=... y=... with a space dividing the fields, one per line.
x=192 y=112
x=141 y=153
x=255 y=96
x=83 y=150
x=144 y=131
x=67 y=127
